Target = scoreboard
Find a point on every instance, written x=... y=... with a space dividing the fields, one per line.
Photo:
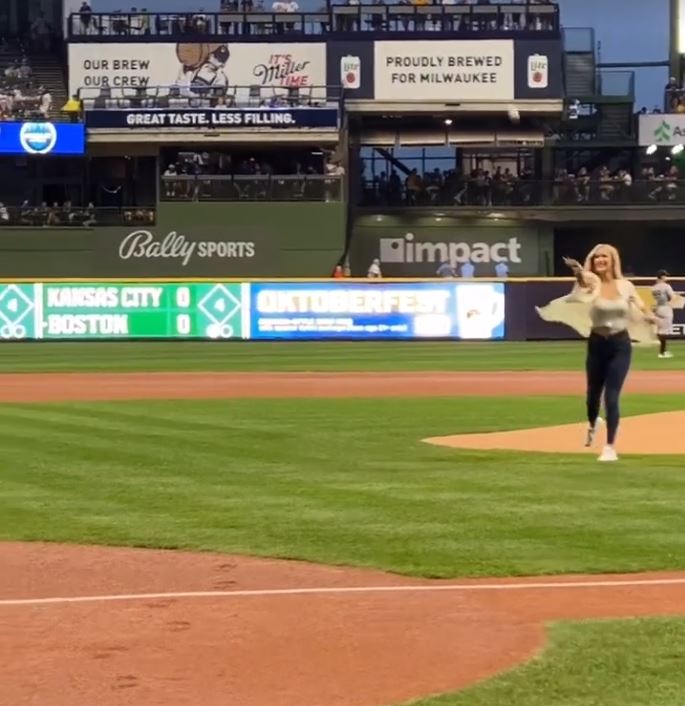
x=275 y=310
x=122 y=310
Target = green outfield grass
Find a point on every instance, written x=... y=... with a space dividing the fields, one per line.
x=593 y=663
x=338 y=481
x=309 y=356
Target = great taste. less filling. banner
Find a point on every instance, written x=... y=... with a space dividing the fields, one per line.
x=197 y=65
x=214 y=118
x=444 y=70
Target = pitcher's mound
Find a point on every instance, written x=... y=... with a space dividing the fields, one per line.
x=662 y=433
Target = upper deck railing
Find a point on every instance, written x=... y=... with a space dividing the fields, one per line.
x=496 y=20
x=197 y=96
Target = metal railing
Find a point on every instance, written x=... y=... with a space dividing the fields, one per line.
x=75 y=216
x=523 y=193
x=147 y=26
x=198 y=96
x=309 y=187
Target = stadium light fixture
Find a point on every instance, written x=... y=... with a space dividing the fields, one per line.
x=677 y=149
x=448 y=121
x=651 y=149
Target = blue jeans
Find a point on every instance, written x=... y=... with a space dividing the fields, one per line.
x=607 y=365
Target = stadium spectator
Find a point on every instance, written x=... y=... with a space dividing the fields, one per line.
x=502 y=270
x=467 y=270
x=45 y=101
x=137 y=22
x=72 y=108
x=374 y=271
x=446 y=270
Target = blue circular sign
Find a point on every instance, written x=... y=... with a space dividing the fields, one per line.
x=38 y=138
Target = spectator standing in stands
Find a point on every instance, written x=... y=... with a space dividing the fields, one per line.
x=375 y=269
x=445 y=270
x=24 y=70
x=45 y=101
x=86 y=16
x=467 y=269
x=502 y=270
x=672 y=92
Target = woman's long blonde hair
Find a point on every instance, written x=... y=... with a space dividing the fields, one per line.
x=616 y=269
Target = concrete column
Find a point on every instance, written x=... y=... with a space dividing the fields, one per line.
x=676 y=8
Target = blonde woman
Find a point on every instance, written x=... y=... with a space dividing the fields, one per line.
x=605 y=307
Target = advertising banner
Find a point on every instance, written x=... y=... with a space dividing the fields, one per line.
x=376 y=311
x=196 y=65
x=216 y=118
x=284 y=310
x=418 y=251
x=190 y=239
x=661 y=129
x=351 y=65
x=444 y=70
x=538 y=69
x=64 y=311
x=213 y=251
x=42 y=138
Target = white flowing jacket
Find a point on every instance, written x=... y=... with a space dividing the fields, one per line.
x=574 y=309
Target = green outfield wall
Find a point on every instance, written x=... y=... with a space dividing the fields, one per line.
x=187 y=240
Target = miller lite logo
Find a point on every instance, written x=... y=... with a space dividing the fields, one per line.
x=538 y=71
x=350 y=72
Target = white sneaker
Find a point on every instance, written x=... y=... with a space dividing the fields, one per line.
x=592 y=431
x=667 y=354
x=608 y=454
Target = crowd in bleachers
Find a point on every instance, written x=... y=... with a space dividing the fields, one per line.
x=140 y=22
x=67 y=215
x=20 y=97
x=450 y=187
x=502 y=187
x=618 y=186
x=238 y=176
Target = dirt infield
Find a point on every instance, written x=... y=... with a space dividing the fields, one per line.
x=51 y=387
x=660 y=434
x=272 y=633
x=114 y=627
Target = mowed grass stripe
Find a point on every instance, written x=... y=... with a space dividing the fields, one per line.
x=337 y=481
x=388 y=356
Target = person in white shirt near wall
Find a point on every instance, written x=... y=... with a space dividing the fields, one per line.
x=664 y=298
x=375 y=269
